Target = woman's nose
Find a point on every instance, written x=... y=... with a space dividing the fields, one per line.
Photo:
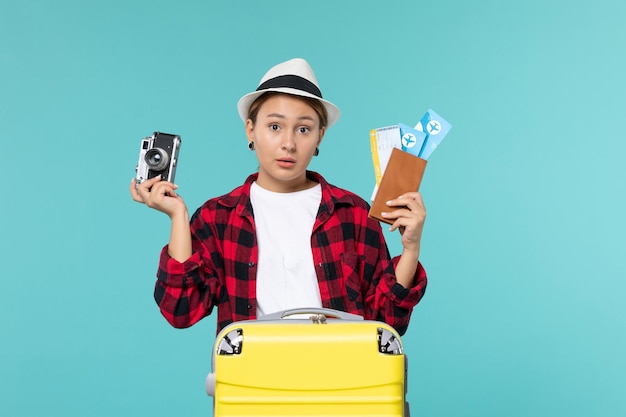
x=288 y=141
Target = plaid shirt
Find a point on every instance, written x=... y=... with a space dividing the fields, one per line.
x=354 y=269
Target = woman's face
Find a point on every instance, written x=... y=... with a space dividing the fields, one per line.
x=285 y=135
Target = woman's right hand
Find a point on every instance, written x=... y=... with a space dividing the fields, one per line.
x=159 y=195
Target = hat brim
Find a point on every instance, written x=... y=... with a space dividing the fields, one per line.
x=246 y=101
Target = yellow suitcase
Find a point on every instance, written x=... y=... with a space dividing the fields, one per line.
x=308 y=362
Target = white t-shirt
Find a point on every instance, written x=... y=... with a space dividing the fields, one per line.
x=286 y=276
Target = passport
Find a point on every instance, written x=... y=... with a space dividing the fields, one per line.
x=403 y=174
x=400 y=154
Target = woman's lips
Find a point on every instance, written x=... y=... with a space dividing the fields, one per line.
x=285 y=162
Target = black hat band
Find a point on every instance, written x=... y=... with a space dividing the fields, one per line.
x=291 y=81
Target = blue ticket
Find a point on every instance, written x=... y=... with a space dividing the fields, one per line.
x=436 y=128
x=411 y=139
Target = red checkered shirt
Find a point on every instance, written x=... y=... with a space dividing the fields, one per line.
x=354 y=270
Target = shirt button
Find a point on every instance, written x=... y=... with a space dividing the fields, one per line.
x=249 y=306
x=250 y=264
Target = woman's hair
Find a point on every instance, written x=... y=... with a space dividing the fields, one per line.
x=315 y=104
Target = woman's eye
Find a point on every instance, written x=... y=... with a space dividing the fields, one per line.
x=303 y=129
x=274 y=127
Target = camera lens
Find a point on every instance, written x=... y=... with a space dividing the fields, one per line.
x=157 y=159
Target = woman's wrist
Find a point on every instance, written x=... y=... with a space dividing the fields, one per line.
x=180 y=216
x=411 y=253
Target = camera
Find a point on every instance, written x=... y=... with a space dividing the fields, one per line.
x=158 y=155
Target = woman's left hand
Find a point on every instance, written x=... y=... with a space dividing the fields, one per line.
x=409 y=215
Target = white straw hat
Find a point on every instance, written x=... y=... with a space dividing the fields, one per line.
x=290 y=77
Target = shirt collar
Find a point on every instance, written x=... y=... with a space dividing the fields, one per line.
x=331 y=196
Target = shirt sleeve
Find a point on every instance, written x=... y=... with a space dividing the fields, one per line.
x=386 y=299
x=186 y=291
x=409 y=297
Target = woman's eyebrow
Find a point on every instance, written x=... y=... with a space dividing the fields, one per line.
x=282 y=116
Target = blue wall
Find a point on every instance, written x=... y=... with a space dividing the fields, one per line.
x=524 y=241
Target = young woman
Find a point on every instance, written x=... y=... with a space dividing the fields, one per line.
x=285 y=238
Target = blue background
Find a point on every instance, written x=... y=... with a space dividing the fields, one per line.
x=524 y=240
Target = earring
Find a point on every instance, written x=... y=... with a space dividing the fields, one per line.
x=251 y=145
x=316 y=152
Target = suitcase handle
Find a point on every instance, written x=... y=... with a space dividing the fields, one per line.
x=326 y=312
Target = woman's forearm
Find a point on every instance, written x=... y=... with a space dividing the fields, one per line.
x=406 y=267
x=180 y=238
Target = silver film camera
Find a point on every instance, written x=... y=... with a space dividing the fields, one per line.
x=158 y=155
